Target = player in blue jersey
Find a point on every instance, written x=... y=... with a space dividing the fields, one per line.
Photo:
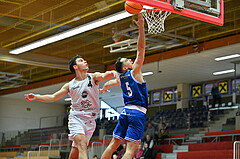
x=131 y=121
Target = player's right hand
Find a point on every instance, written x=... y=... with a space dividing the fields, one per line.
x=103 y=91
x=30 y=97
x=140 y=21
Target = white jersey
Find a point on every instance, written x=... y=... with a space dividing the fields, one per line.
x=85 y=98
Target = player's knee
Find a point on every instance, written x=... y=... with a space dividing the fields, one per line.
x=129 y=154
x=82 y=146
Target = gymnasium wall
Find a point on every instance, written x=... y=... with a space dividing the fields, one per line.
x=17 y=114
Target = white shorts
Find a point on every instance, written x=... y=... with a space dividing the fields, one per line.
x=80 y=126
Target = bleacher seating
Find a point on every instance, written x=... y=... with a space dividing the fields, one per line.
x=176 y=139
x=33 y=157
x=211 y=146
x=43 y=153
x=164 y=148
x=218 y=150
x=36 y=136
x=8 y=154
x=223 y=154
x=222 y=136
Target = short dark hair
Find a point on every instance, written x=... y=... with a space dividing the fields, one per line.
x=72 y=62
x=118 y=65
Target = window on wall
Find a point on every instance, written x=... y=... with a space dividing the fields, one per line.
x=109 y=111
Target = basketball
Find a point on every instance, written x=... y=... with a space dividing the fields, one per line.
x=132 y=7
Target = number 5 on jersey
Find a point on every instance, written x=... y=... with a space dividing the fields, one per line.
x=129 y=89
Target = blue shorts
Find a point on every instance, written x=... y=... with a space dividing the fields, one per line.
x=130 y=126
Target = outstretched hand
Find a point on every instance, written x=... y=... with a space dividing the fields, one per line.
x=140 y=21
x=103 y=91
x=30 y=97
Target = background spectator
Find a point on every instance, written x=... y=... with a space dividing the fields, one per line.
x=122 y=152
x=164 y=133
x=150 y=130
x=139 y=152
x=115 y=156
x=95 y=157
x=216 y=95
x=147 y=152
x=149 y=141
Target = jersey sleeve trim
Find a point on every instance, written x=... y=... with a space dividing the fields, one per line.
x=135 y=79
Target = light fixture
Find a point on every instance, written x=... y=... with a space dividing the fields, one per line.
x=223 y=72
x=227 y=57
x=67 y=99
x=72 y=32
x=147 y=73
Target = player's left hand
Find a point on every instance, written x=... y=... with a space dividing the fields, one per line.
x=30 y=97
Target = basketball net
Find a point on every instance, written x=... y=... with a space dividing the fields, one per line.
x=155 y=20
x=117 y=35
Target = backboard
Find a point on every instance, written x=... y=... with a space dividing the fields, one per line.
x=211 y=11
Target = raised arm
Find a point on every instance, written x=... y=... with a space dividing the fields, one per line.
x=98 y=77
x=109 y=84
x=137 y=65
x=49 y=98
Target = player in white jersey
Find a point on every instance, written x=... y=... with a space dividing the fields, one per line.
x=83 y=90
x=131 y=121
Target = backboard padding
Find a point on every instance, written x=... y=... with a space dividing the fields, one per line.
x=187 y=12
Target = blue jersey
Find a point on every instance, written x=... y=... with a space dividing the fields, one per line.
x=134 y=92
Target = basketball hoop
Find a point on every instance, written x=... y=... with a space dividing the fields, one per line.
x=117 y=35
x=155 y=19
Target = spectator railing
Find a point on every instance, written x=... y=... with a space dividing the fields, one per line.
x=236 y=150
x=61 y=142
x=96 y=149
x=106 y=141
x=173 y=139
x=217 y=138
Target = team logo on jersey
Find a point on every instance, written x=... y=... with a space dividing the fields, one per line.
x=123 y=112
x=76 y=87
x=84 y=94
x=86 y=104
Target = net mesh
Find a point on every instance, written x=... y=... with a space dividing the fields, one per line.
x=155 y=20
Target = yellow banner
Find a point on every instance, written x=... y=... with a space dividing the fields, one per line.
x=168 y=96
x=223 y=87
x=196 y=91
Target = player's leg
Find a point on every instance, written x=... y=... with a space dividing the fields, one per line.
x=130 y=150
x=77 y=134
x=114 y=144
x=74 y=153
x=118 y=135
x=80 y=141
x=134 y=132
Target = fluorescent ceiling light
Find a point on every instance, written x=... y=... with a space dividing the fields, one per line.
x=227 y=57
x=223 y=72
x=72 y=32
x=147 y=73
x=67 y=99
